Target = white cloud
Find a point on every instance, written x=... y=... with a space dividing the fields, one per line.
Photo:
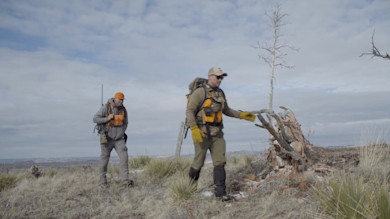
x=54 y=56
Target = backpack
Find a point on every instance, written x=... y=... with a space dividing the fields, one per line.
x=102 y=128
x=195 y=84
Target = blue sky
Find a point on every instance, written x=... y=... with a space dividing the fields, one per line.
x=54 y=56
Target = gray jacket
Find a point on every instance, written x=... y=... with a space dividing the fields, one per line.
x=100 y=117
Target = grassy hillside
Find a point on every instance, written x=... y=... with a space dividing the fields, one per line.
x=162 y=190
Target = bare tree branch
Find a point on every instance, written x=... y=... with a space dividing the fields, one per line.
x=375 y=51
x=279 y=137
x=274 y=54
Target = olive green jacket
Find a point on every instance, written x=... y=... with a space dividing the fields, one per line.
x=194 y=112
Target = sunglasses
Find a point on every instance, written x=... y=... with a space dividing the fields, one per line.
x=219 y=77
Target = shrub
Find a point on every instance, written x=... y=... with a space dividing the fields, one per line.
x=374 y=158
x=248 y=160
x=166 y=167
x=7 y=181
x=383 y=200
x=160 y=168
x=239 y=161
x=51 y=172
x=182 y=164
x=163 y=168
x=353 y=196
x=182 y=188
x=139 y=162
x=233 y=160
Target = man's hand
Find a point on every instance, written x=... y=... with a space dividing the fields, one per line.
x=111 y=116
x=248 y=116
x=197 y=134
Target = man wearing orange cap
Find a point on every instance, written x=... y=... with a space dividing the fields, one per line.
x=204 y=116
x=113 y=117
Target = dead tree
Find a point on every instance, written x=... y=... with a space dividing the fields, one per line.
x=289 y=146
x=275 y=51
x=375 y=52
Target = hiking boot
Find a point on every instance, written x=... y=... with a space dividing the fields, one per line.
x=128 y=183
x=194 y=175
x=219 y=181
x=226 y=198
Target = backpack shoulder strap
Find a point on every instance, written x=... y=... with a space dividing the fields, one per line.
x=205 y=94
x=108 y=108
x=204 y=98
x=223 y=93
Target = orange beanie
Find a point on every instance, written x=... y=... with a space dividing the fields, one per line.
x=119 y=95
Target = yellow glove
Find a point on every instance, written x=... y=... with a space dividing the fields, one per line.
x=248 y=116
x=197 y=134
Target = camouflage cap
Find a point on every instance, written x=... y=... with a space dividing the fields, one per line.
x=217 y=71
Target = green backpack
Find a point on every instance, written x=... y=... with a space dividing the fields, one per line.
x=195 y=84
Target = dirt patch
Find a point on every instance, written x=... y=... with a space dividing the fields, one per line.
x=339 y=158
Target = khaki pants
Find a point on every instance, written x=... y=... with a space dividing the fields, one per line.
x=217 y=147
x=121 y=150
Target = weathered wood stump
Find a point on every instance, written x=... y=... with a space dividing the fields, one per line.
x=289 y=147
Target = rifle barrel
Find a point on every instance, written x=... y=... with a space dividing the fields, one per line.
x=101 y=99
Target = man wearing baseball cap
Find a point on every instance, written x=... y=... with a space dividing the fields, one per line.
x=204 y=116
x=112 y=118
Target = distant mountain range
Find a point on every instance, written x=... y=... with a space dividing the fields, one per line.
x=72 y=161
x=48 y=160
x=75 y=160
x=114 y=158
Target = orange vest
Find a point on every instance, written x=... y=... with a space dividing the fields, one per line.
x=212 y=110
x=118 y=119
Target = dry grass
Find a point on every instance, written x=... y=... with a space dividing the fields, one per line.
x=374 y=158
x=181 y=187
x=7 y=181
x=362 y=192
x=139 y=162
x=163 y=190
